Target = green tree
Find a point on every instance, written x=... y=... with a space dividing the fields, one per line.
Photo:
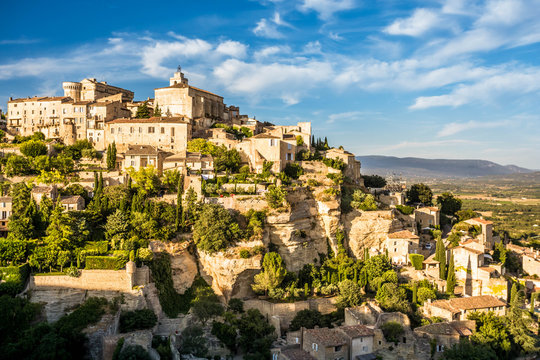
x=451 y=278
x=308 y=319
x=215 y=229
x=392 y=331
x=117 y=228
x=440 y=256
x=420 y=193
x=465 y=350
x=276 y=196
x=448 y=203
x=255 y=335
x=376 y=266
x=349 y=294
x=206 y=308
x=17 y=165
x=146 y=180
x=492 y=331
x=392 y=297
x=520 y=322
x=33 y=148
x=157 y=111
x=111 y=156
x=193 y=341
x=425 y=293
x=143 y=112
x=374 y=181
x=272 y=275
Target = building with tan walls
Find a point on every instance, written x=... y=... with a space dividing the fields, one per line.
x=91 y=90
x=265 y=147
x=460 y=308
x=6 y=204
x=487 y=231
x=141 y=156
x=353 y=166
x=428 y=216
x=400 y=244
x=190 y=163
x=165 y=133
x=324 y=343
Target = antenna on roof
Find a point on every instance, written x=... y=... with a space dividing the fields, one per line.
x=179 y=69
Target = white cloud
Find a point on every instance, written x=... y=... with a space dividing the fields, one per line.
x=509 y=82
x=417 y=24
x=327 y=8
x=269 y=28
x=313 y=47
x=455 y=127
x=271 y=51
x=345 y=116
x=334 y=36
x=232 y=48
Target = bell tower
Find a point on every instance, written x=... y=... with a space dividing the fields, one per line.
x=178 y=77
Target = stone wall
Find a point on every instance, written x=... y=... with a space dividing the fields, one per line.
x=241 y=203
x=109 y=280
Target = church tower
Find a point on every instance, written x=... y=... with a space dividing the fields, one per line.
x=178 y=77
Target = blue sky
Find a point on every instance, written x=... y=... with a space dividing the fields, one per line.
x=437 y=79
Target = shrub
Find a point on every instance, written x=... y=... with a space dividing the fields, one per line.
x=416 y=260
x=336 y=178
x=308 y=319
x=13 y=279
x=293 y=170
x=259 y=250
x=275 y=196
x=313 y=183
x=105 y=262
x=98 y=247
x=374 y=181
x=145 y=255
x=137 y=320
x=392 y=331
x=244 y=254
x=404 y=209
x=236 y=305
x=425 y=293
x=33 y=148
x=73 y=271
x=118 y=348
x=363 y=201
x=215 y=229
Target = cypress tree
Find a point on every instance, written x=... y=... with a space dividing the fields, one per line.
x=414 y=293
x=109 y=157
x=366 y=254
x=451 y=279
x=96 y=183
x=143 y=112
x=157 y=111
x=100 y=185
x=440 y=256
x=326 y=143
x=513 y=294
x=306 y=290
x=113 y=155
x=179 y=209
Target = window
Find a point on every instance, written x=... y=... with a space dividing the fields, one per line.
x=275 y=356
x=112 y=130
x=163 y=130
x=151 y=129
x=338 y=348
x=296 y=340
x=364 y=349
x=289 y=146
x=172 y=131
x=315 y=346
x=140 y=130
x=272 y=142
x=119 y=130
x=132 y=162
x=404 y=340
x=440 y=348
x=131 y=130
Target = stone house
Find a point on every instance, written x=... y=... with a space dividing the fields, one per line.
x=192 y=162
x=6 y=203
x=353 y=166
x=467 y=261
x=38 y=192
x=219 y=137
x=165 y=133
x=460 y=308
x=183 y=100
x=486 y=235
x=365 y=314
x=324 y=343
x=530 y=258
x=360 y=339
x=141 y=156
x=400 y=244
x=74 y=202
x=428 y=216
x=293 y=353
x=265 y=147
x=446 y=334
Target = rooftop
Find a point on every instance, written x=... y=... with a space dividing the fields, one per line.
x=356 y=331
x=428 y=208
x=403 y=234
x=186 y=155
x=70 y=199
x=459 y=328
x=474 y=251
x=42 y=189
x=40 y=98
x=141 y=150
x=456 y=305
x=326 y=336
x=481 y=221
x=152 y=120
x=182 y=85
x=296 y=354
x=6 y=199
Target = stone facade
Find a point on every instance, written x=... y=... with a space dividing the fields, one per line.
x=353 y=166
x=460 y=308
x=324 y=343
x=427 y=216
x=400 y=244
x=487 y=232
x=72 y=203
x=6 y=203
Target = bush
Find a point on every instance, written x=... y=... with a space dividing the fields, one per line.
x=374 y=181
x=308 y=319
x=275 y=196
x=425 y=293
x=293 y=170
x=33 y=148
x=405 y=210
x=118 y=348
x=137 y=320
x=97 y=247
x=105 y=262
x=392 y=331
x=416 y=261
x=145 y=255
x=244 y=254
x=215 y=229
x=236 y=305
x=73 y=271
x=13 y=279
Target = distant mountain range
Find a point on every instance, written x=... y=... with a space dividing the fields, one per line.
x=434 y=168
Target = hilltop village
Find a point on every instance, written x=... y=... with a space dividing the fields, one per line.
x=176 y=227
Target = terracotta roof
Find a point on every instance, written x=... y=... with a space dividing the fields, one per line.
x=326 y=337
x=71 y=199
x=152 y=120
x=190 y=156
x=141 y=150
x=339 y=150
x=403 y=234
x=84 y=102
x=40 y=98
x=296 y=354
x=430 y=208
x=456 y=305
x=356 y=331
x=459 y=328
x=488 y=269
x=474 y=251
x=42 y=189
x=481 y=220
x=431 y=260
x=6 y=199
x=264 y=136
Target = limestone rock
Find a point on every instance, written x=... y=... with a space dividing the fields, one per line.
x=183 y=263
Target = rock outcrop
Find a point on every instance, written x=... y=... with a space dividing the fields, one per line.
x=183 y=263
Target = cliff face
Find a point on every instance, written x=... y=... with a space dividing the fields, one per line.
x=369 y=229
x=183 y=263
x=229 y=275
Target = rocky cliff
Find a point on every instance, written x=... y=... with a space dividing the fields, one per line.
x=183 y=263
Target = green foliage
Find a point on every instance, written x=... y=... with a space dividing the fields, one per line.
x=75 y=151
x=293 y=170
x=392 y=297
x=171 y=178
x=244 y=254
x=466 y=214
x=146 y=180
x=105 y=262
x=449 y=204
x=13 y=279
x=255 y=334
x=337 y=164
x=491 y=331
x=465 y=350
x=193 y=341
x=392 y=331
x=405 y=210
x=374 y=181
x=299 y=140
x=420 y=193
x=137 y=320
x=143 y=111
x=17 y=165
x=236 y=305
x=363 y=201
x=33 y=148
x=308 y=319
x=416 y=261
x=226 y=332
x=451 y=277
x=215 y=229
x=337 y=178
x=134 y=352
x=276 y=196
x=272 y=275
x=349 y=294
x=425 y=293
x=376 y=266
x=118 y=348
x=111 y=156
x=440 y=256
x=162 y=344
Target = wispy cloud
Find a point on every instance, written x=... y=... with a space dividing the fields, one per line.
x=417 y=24
x=22 y=41
x=269 y=28
x=326 y=8
x=455 y=127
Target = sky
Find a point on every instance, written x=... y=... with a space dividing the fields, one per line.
x=456 y=79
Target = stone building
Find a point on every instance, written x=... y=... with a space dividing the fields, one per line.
x=324 y=343
x=264 y=147
x=72 y=203
x=91 y=90
x=428 y=216
x=38 y=192
x=446 y=334
x=530 y=258
x=460 y=308
x=165 y=133
x=181 y=99
x=141 y=156
x=486 y=235
x=353 y=166
x=360 y=339
x=190 y=163
x=400 y=244
x=6 y=203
